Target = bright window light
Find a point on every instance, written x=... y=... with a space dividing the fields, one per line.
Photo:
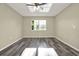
x=39 y=25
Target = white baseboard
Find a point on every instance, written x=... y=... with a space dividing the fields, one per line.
x=9 y=44
x=67 y=43
x=38 y=36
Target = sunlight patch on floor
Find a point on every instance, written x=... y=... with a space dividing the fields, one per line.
x=29 y=52
x=46 y=52
x=40 y=51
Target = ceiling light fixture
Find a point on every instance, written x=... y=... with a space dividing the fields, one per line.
x=36 y=6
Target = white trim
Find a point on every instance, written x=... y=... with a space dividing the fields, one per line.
x=9 y=44
x=67 y=43
x=38 y=36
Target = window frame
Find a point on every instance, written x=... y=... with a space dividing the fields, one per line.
x=39 y=30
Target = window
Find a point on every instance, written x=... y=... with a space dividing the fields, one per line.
x=39 y=25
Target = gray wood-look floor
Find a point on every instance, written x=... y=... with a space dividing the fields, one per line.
x=60 y=48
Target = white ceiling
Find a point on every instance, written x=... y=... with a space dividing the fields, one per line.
x=23 y=10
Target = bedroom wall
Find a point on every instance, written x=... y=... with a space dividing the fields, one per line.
x=27 y=31
x=67 y=25
x=10 y=26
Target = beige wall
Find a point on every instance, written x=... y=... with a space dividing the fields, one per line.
x=67 y=25
x=10 y=26
x=28 y=29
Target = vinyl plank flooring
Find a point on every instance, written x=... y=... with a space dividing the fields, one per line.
x=61 y=48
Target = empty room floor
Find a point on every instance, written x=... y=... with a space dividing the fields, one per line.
x=60 y=48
